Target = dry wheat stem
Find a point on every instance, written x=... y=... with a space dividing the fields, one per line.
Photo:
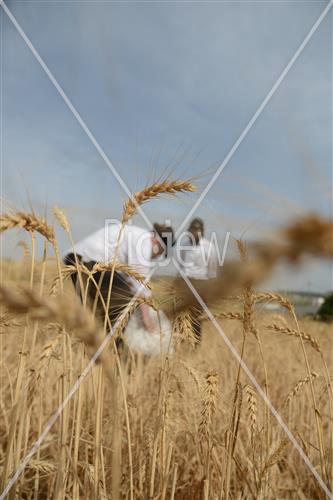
x=315 y=408
x=42 y=309
x=276 y=455
x=249 y=300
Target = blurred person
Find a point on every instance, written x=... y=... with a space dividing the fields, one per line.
x=130 y=245
x=197 y=259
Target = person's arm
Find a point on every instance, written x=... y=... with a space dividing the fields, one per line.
x=144 y=309
x=147 y=321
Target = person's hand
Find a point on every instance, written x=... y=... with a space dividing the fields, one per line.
x=147 y=321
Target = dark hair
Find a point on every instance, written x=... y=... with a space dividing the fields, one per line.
x=166 y=234
x=198 y=223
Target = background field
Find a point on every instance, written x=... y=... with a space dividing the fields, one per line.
x=188 y=426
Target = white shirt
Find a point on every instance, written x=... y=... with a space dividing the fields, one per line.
x=198 y=261
x=134 y=249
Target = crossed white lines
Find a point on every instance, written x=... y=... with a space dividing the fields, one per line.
x=114 y=171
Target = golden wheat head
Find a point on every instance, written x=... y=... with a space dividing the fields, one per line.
x=153 y=191
x=28 y=221
x=61 y=218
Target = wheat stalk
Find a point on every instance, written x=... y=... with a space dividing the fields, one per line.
x=68 y=270
x=122 y=268
x=222 y=315
x=195 y=374
x=274 y=297
x=42 y=466
x=276 y=455
x=249 y=300
x=182 y=328
x=37 y=375
x=45 y=356
x=65 y=273
x=209 y=399
x=131 y=307
x=62 y=310
x=61 y=218
x=300 y=384
x=28 y=221
x=295 y=333
x=248 y=295
x=153 y=191
x=252 y=404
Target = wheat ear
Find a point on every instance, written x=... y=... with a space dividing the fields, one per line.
x=295 y=333
x=28 y=221
x=122 y=268
x=153 y=191
x=300 y=384
x=252 y=404
x=274 y=297
x=209 y=400
x=61 y=218
x=68 y=270
x=71 y=314
x=195 y=374
x=182 y=328
x=223 y=315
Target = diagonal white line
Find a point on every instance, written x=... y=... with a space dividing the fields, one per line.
x=256 y=115
x=74 y=111
x=70 y=394
x=250 y=375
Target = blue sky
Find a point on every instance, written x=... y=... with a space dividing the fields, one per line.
x=169 y=87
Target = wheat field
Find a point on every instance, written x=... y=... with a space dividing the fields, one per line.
x=186 y=426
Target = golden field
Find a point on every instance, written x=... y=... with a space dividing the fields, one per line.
x=179 y=427
x=186 y=426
